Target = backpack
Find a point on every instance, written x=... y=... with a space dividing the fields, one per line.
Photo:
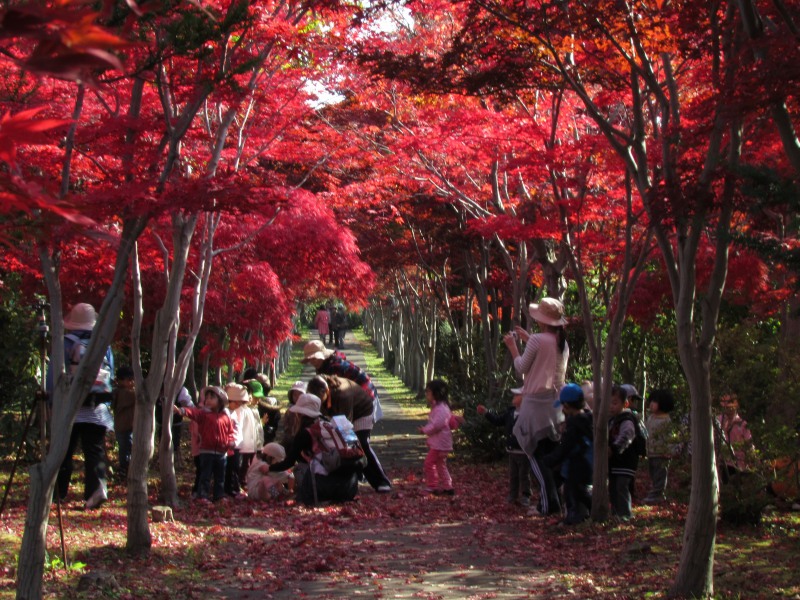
x=336 y=450
x=640 y=439
x=102 y=381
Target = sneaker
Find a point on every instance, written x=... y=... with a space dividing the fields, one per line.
x=525 y=501
x=447 y=492
x=99 y=496
x=383 y=489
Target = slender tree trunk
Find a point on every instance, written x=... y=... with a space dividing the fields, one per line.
x=66 y=402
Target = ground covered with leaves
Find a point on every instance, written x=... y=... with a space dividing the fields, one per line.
x=401 y=545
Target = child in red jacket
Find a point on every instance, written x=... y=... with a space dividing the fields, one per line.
x=216 y=438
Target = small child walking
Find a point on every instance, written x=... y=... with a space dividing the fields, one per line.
x=519 y=467
x=660 y=443
x=263 y=484
x=440 y=440
x=216 y=436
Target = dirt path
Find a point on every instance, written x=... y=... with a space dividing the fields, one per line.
x=408 y=544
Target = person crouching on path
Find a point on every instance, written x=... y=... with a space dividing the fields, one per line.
x=319 y=485
x=440 y=440
x=344 y=397
x=263 y=484
x=216 y=433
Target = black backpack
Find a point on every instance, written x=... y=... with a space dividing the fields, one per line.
x=640 y=439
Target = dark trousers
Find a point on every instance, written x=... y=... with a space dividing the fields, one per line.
x=125 y=444
x=245 y=460
x=619 y=491
x=578 y=498
x=212 y=467
x=232 y=465
x=519 y=476
x=92 y=438
x=373 y=472
x=659 y=468
x=549 y=502
x=330 y=488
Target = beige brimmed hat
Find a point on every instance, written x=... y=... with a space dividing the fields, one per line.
x=315 y=349
x=82 y=317
x=237 y=393
x=549 y=311
x=307 y=404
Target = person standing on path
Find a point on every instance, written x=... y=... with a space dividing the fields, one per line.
x=543 y=365
x=93 y=418
x=322 y=322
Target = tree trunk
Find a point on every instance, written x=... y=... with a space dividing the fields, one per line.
x=166 y=458
x=139 y=539
x=66 y=402
x=33 y=549
x=695 y=577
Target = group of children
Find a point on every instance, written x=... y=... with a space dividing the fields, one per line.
x=231 y=458
x=572 y=460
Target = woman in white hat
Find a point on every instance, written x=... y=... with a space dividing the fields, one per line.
x=320 y=485
x=543 y=365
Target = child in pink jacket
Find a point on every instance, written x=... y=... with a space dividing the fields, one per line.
x=440 y=440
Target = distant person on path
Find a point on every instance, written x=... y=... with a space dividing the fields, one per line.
x=519 y=467
x=344 y=397
x=322 y=322
x=543 y=365
x=330 y=362
x=92 y=420
x=574 y=455
x=123 y=406
x=339 y=326
x=440 y=440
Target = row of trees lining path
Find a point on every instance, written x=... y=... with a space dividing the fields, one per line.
x=175 y=160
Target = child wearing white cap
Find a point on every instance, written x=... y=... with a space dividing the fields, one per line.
x=263 y=484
